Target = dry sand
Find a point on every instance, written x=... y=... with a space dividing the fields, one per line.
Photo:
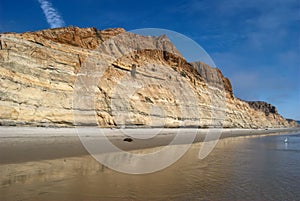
x=23 y=144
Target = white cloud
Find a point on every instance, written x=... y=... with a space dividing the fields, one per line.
x=52 y=16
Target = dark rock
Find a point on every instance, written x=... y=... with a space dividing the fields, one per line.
x=128 y=139
x=267 y=108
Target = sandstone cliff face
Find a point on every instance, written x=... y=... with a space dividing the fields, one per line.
x=213 y=76
x=269 y=110
x=72 y=76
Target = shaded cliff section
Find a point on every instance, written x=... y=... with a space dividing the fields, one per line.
x=269 y=110
x=39 y=71
x=265 y=107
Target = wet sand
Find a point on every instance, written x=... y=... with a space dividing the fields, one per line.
x=23 y=144
x=56 y=166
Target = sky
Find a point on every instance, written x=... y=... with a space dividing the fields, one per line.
x=256 y=44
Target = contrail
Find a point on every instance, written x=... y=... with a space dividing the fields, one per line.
x=52 y=16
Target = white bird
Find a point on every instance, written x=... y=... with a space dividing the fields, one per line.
x=286 y=140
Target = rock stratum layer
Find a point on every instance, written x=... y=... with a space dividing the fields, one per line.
x=112 y=78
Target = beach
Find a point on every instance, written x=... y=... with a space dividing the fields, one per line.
x=53 y=164
x=22 y=144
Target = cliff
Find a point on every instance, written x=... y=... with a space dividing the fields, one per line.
x=265 y=107
x=113 y=78
x=269 y=110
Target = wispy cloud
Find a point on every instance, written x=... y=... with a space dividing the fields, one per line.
x=52 y=16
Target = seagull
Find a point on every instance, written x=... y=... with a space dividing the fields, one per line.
x=286 y=140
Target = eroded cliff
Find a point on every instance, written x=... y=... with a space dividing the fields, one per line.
x=111 y=78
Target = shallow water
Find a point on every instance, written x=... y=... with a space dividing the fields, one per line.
x=241 y=168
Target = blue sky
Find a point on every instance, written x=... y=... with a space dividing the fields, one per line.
x=255 y=43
